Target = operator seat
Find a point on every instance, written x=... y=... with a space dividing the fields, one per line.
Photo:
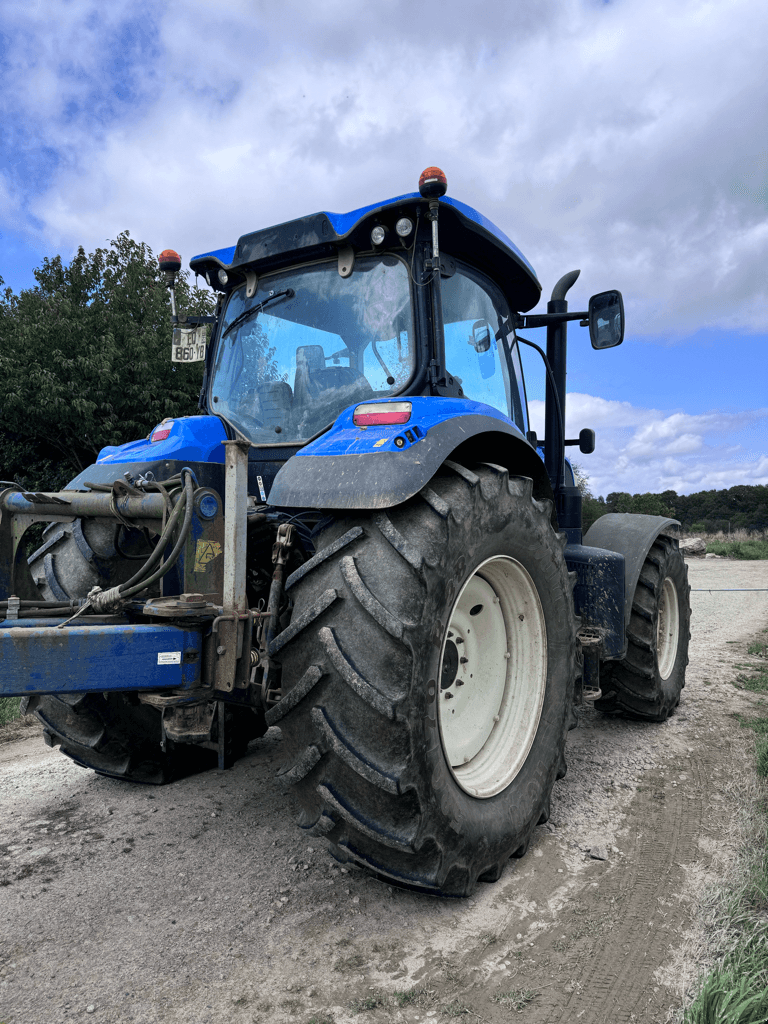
x=313 y=377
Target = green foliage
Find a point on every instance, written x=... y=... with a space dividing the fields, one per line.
x=9 y=709
x=734 y=993
x=744 y=507
x=744 y=549
x=642 y=504
x=85 y=360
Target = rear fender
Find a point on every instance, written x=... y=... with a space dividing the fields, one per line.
x=373 y=467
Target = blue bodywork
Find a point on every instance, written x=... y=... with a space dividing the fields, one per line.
x=345 y=438
x=86 y=659
x=192 y=438
x=344 y=223
x=464 y=232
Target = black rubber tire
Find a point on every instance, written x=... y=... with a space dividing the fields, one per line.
x=634 y=685
x=362 y=653
x=114 y=733
x=76 y=556
x=117 y=736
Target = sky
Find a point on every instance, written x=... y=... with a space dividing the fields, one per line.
x=626 y=138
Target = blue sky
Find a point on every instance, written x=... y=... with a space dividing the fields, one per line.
x=625 y=138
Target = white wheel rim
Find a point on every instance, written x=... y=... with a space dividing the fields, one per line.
x=667 y=629
x=489 y=704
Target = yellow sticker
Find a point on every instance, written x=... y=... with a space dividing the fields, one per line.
x=380 y=442
x=206 y=551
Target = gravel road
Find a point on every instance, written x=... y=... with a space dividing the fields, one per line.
x=202 y=902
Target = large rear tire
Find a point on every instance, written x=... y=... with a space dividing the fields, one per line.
x=648 y=682
x=431 y=660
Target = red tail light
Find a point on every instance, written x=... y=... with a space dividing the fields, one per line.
x=374 y=414
x=160 y=433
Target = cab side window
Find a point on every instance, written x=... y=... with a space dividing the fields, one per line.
x=474 y=313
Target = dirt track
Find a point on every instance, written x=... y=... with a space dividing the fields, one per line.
x=202 y=902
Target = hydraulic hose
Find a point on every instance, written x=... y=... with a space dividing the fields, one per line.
x=108 y=600
x=127 y=589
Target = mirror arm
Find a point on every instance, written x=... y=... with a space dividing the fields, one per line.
x=544 y=319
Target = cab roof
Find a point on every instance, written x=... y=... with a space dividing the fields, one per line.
x=464 y=234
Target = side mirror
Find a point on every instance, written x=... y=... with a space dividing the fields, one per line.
x=606 y=320
x=586 y=441
x=480 y=339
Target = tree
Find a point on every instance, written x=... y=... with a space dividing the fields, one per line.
x=592 y=508
x=641 y=504
x=85 y=360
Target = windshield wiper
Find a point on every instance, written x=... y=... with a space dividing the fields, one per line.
x=254 y=310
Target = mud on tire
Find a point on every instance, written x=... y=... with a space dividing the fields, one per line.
x=648 y=682
x=364 y=734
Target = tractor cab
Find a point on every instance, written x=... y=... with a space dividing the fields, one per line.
x=333 y=310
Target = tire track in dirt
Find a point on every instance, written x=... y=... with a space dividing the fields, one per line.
x=619 y=976
x=202 y=901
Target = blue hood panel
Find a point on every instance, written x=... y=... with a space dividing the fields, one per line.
x=191 y=438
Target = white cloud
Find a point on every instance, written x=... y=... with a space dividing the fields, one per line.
x=646 y=450
x=623 y=138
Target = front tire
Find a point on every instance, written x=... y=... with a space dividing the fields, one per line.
x=431 y=658
x=114 y=733
x=648 y=682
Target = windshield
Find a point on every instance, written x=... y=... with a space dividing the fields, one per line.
x=309 y=343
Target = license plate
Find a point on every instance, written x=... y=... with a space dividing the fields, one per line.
x=189 y=344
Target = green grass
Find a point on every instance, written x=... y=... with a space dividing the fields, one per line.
x=516 y=999
x=756 y=681
x=736 y=990
x=743 y=549
x=371 y=1002
x=9 y=709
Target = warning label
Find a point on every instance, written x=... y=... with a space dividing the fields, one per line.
x=169 y=658
x=205 y=552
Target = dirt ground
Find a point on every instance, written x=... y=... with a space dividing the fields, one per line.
x=202 y=902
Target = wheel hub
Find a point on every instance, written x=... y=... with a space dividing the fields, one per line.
x=492 y=676
x=450 y=665
x=667 y=628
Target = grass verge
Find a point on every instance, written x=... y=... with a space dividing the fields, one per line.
x=736 y=990
x=9 y=709
x=743 y=549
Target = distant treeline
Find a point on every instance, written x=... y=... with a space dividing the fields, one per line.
x=744 y=507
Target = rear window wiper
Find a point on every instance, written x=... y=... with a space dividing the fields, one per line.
x=288 y=293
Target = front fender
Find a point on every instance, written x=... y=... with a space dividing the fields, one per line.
x=362 y=468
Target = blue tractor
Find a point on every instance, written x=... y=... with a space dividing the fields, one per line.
x=359 y=540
